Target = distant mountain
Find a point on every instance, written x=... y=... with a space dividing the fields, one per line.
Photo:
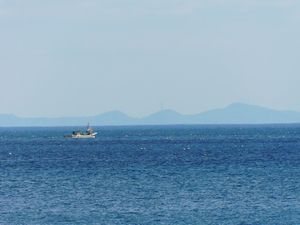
x=112 y=118
x=163 y=117
x=9 y=120
x=237 y=113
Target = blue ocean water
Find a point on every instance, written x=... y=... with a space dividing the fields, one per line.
x=151 y=175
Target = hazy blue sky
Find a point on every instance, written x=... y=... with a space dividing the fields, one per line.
x=84 y=57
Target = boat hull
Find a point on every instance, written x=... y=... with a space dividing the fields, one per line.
x=82 y=136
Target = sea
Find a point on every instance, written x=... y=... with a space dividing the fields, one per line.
x=225 y=174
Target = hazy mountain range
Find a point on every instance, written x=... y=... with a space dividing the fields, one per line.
x=236 y=113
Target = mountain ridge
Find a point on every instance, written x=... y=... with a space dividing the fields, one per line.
x=236 y=113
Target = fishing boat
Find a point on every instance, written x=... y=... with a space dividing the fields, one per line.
x=89 y=133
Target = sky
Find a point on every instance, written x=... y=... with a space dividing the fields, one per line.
x=86 y=57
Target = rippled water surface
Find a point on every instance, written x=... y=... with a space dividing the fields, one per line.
x=151 y=175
